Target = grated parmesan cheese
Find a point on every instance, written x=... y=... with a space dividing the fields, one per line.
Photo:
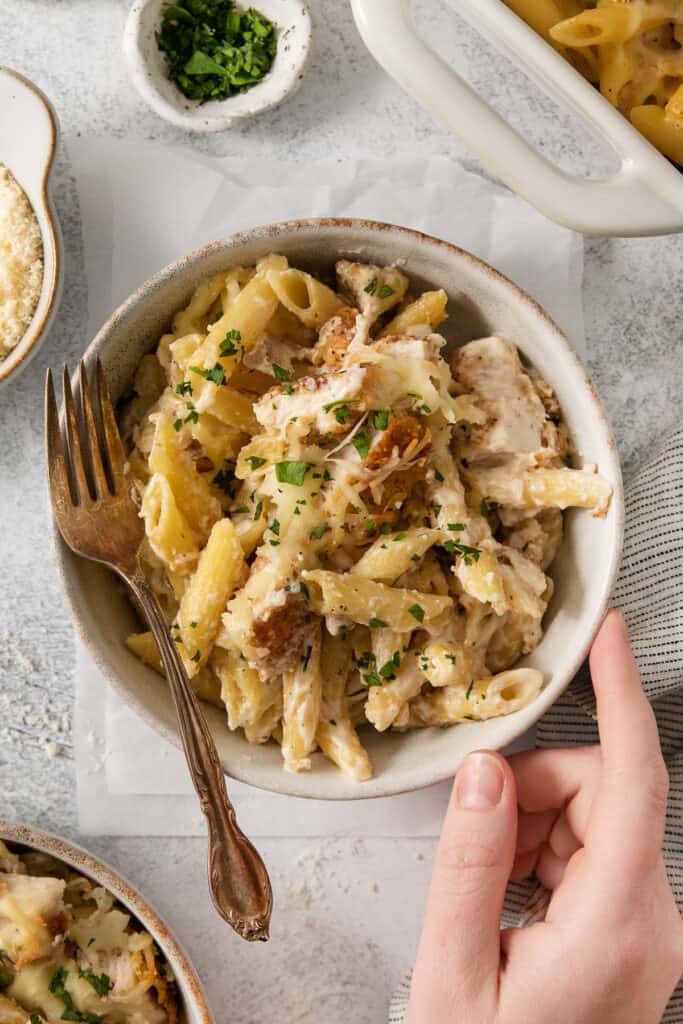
x=21 y=263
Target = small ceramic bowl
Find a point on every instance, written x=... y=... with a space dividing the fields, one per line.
x=28 y=140
x=193 y=1008
x=147 y=66
x=482 y=302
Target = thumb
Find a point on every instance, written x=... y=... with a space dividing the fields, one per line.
x=459 y=955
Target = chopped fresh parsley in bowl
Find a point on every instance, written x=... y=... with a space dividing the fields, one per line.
x=202 y=65
x=213 y=50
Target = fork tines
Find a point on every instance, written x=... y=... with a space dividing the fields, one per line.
x=85 y=454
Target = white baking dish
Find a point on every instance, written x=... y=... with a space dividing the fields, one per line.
x=645 y=195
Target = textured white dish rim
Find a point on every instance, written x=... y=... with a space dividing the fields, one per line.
x=35 y=181
x=312 y=784
x=147 y=66
x=643 y=196
x=75 y=856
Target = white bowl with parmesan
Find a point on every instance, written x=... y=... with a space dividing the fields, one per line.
x=30 y=239
x=481 y=303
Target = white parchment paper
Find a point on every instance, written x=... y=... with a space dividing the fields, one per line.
x=144 y=206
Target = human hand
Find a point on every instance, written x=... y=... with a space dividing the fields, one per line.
x=589 y=822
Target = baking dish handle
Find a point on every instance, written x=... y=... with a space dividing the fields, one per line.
x=624 y=204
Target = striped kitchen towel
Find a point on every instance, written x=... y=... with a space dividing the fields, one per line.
x=649 y=591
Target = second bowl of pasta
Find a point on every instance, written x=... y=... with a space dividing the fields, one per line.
x=382 y=505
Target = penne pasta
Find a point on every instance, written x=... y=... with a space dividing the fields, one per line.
x=343 y=527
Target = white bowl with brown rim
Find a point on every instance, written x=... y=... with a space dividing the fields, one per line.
x=481 y=302
x=192 y=1005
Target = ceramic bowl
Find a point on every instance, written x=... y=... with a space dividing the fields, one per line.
x=193 y=1008
x=481 y=302
x=147 y=66
x=28 y=139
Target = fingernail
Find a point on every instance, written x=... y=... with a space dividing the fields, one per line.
x=479 y=783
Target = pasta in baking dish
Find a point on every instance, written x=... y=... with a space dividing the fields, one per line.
x=342 y=526
x=68 y=951
x=630 y=49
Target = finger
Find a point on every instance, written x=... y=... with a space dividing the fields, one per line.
x=557 y=778
x=628 y=731
x=533 y=830
x=524 y=865
x=562 y=839
x=459 y=955
x=550 y=868
x=627 y=818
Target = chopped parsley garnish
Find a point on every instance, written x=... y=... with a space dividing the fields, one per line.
x=238 y=511
x=415 y=558
x=469 y=554
x=319 y=531
x=275 y=527
x=456 y=527
x=372 y=679
x=417 y=611
x=35 y=1019
x=370 y=526
x=306 y=656
x=450 y=657
x=274 y=543
x=215 y=374
x=469 y=690
x=418 y=403
x=291 y=472
x=341 y=408
x=399 y=536
x=193 y=415
x=177 y=424
x=57 y=987
x=280 y=373
x=196 y=656
x=385 y=291
x=257 y=510
x=380 y=419
x=366 y=659
x=227 y=347
x=224 y=479
x=436 y=509
x=100 y=982
x=388 y=669
x=213 y=50
x=361 y=444
x=439 y=475
x=6 y=978
x=184 y=388
x=377 y=624
x=193 y=624
x=385 y=528
x=255 y=461
x=487 y=505
x=372 y=287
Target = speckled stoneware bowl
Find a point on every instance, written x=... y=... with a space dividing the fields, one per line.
x=481 y=302
x=193 y=1008
x=28 y=140
x=147 y=66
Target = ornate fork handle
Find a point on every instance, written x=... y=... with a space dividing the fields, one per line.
x=239 y=883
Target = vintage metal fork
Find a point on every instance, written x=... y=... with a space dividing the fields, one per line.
x=98 y=519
